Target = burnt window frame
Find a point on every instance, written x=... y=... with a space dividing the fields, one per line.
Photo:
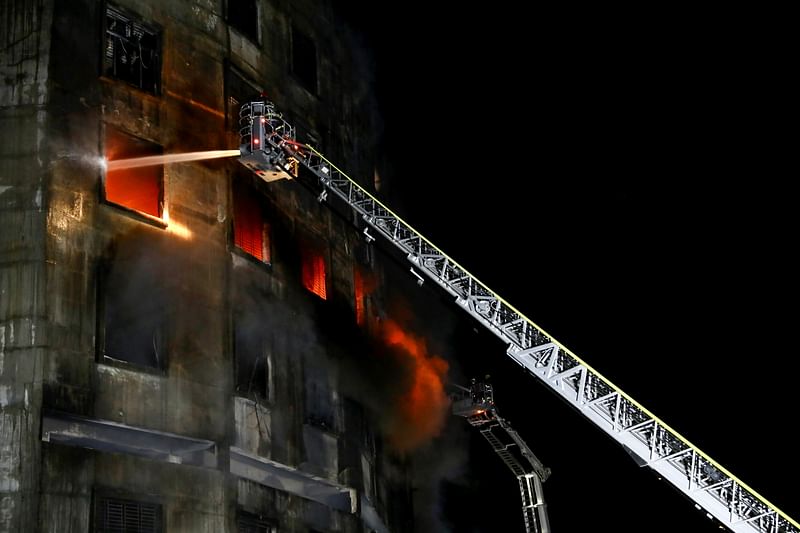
x=304 y=132
x=240 y=31
x=158 y=221
x=320 y=411
x=266 y=350
x=232 y=119
x=256 y=520
x=104 y=495
x=102 y=275
x=244 y=180
x=155 y=29
x=298 y=74
x=363 y=265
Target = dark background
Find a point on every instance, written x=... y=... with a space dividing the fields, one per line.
x=606 y=174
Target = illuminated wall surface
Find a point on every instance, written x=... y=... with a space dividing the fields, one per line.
x=164 y=358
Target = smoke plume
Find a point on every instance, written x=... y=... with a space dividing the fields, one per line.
x=420 y=411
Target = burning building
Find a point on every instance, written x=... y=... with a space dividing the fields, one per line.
x=171 y=335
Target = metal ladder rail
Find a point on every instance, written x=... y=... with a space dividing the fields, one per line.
x=502 y=450
x=535 y=464
x=645 y=436
x=534 y=510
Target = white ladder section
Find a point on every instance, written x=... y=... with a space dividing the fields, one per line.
x=652 y=442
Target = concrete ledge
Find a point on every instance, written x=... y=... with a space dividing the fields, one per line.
x=107 y=436
x=293 y=481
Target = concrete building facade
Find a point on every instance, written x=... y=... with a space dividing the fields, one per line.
x=170 y=335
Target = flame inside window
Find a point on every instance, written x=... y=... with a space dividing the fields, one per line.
x=250 y=232
x=314 y=272
x=137 y=188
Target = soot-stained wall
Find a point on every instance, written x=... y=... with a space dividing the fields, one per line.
x=80 y=274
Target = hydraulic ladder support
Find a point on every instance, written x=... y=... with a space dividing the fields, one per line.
x=476 y=405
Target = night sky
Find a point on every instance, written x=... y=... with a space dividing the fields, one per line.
x=601 y=172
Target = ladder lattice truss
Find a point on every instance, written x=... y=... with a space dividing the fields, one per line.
x=645 y=436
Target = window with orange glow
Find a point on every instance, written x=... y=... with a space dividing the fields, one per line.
x=358 y=289
x=251 y=233
x=313 y=271
x=141 y=188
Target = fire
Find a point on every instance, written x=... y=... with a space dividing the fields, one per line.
x=423 y=407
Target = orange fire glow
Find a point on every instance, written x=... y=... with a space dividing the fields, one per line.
x=424 y=406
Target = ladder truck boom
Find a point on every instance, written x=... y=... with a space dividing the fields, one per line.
x=476 y=405
x=268 y=146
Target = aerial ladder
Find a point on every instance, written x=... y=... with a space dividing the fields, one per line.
x=269 y=147
x=476 y=405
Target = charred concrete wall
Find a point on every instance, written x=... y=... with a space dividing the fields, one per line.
x=66 y=248
x=25 y=48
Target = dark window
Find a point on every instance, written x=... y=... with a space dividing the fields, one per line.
x=313 y=270
x=137 y=188
x=237 y=91
x=115 y=515
x=132 y=305
x=307 y=134
x=320 y=403
x=131 y=51
x=251 y=233
x=250 y=523
x=243 y=15
x=304 y=59
x=252 y=357
x=363 y=253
